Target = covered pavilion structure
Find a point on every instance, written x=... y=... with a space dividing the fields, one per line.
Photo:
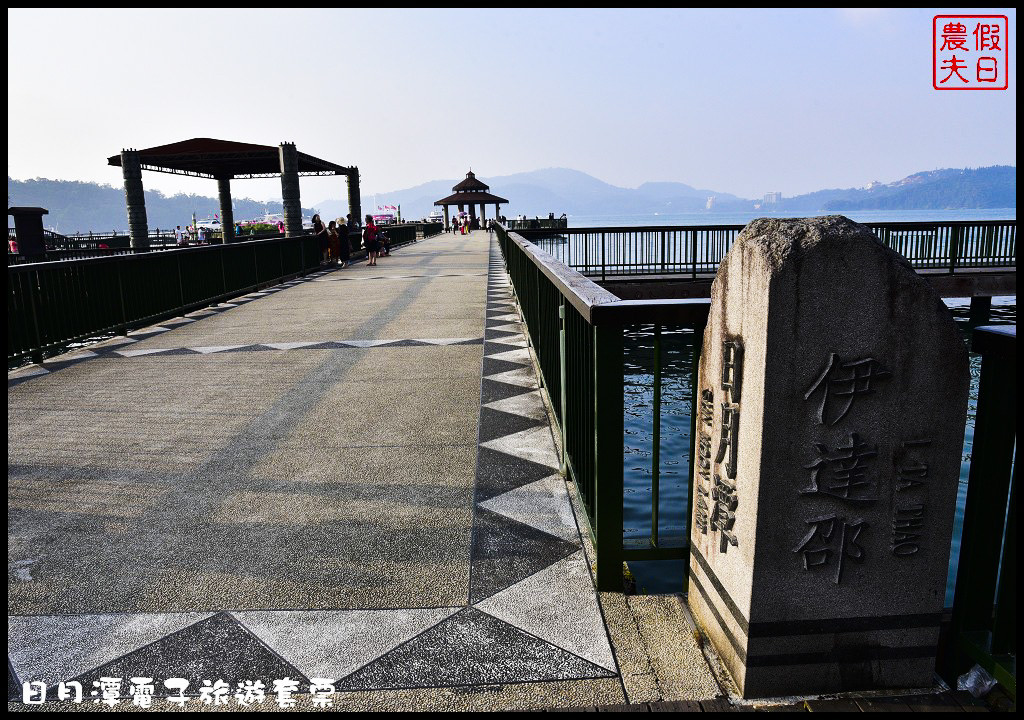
x=223 y=161
x=471 y=192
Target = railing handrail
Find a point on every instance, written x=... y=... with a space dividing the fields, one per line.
x=950 y=246
x=601 y=307
x=903 y=224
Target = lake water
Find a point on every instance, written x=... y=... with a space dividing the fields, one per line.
x=722 y=218
x=677 y=358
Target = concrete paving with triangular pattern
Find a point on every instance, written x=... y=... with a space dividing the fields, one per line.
x=319 y=480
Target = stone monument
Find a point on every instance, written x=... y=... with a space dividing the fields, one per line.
x=832 y=400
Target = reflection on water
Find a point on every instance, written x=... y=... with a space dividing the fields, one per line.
x=676 y=365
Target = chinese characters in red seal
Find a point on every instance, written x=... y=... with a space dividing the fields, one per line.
x=970 y=52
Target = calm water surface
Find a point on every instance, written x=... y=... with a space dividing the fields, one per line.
x=742 y=218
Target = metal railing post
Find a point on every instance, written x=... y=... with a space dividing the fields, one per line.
x=37 y=354
x=603 y=264
x=256 y=267
x=223 y=273
x=120 y=292
x=181 y=287
x=954 y=247
x=562 y=375
x=656 y=454
x=976 y=616
x=693 y=253
x=608 y=458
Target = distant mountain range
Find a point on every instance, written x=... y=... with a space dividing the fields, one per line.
x=573 y=192
x=83 y=206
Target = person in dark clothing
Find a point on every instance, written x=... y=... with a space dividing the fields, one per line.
x=344 y=245
x=321 y=235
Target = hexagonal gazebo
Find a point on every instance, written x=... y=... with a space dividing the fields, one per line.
x=471 y=192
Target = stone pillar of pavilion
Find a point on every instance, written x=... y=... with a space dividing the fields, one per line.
x=135 y=199
x=483 y=214
x=354 y=201
x=227 y=216
x=290 y=190
x=447 y=224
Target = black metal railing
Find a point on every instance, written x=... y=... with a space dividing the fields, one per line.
x=576 y=330
x=698 y=249
x=537 y=224
x=984 y=622
x=84 y=292
x=52 y=304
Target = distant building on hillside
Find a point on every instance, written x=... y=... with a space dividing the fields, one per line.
x=710 y=203
x=772 y=198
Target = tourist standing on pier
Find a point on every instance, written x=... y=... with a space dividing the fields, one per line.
x=321 y=235
x=333 y=242
x=370 y=240
x=353 y=229
x=344 y=249
x=178 y=238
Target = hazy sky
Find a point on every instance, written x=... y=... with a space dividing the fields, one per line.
x=735 y=101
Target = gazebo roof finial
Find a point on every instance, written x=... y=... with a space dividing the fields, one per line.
x=470 y=184
x=471 y=191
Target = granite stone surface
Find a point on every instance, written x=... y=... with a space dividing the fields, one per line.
x=833 y=389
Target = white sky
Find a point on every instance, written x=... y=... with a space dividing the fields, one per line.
x=735 y=101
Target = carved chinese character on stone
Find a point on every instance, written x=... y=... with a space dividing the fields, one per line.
x=840 y=383
x=723 y=515
x=843 y=472
x=727 y=443
x=732 y=369
x=831 y=536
